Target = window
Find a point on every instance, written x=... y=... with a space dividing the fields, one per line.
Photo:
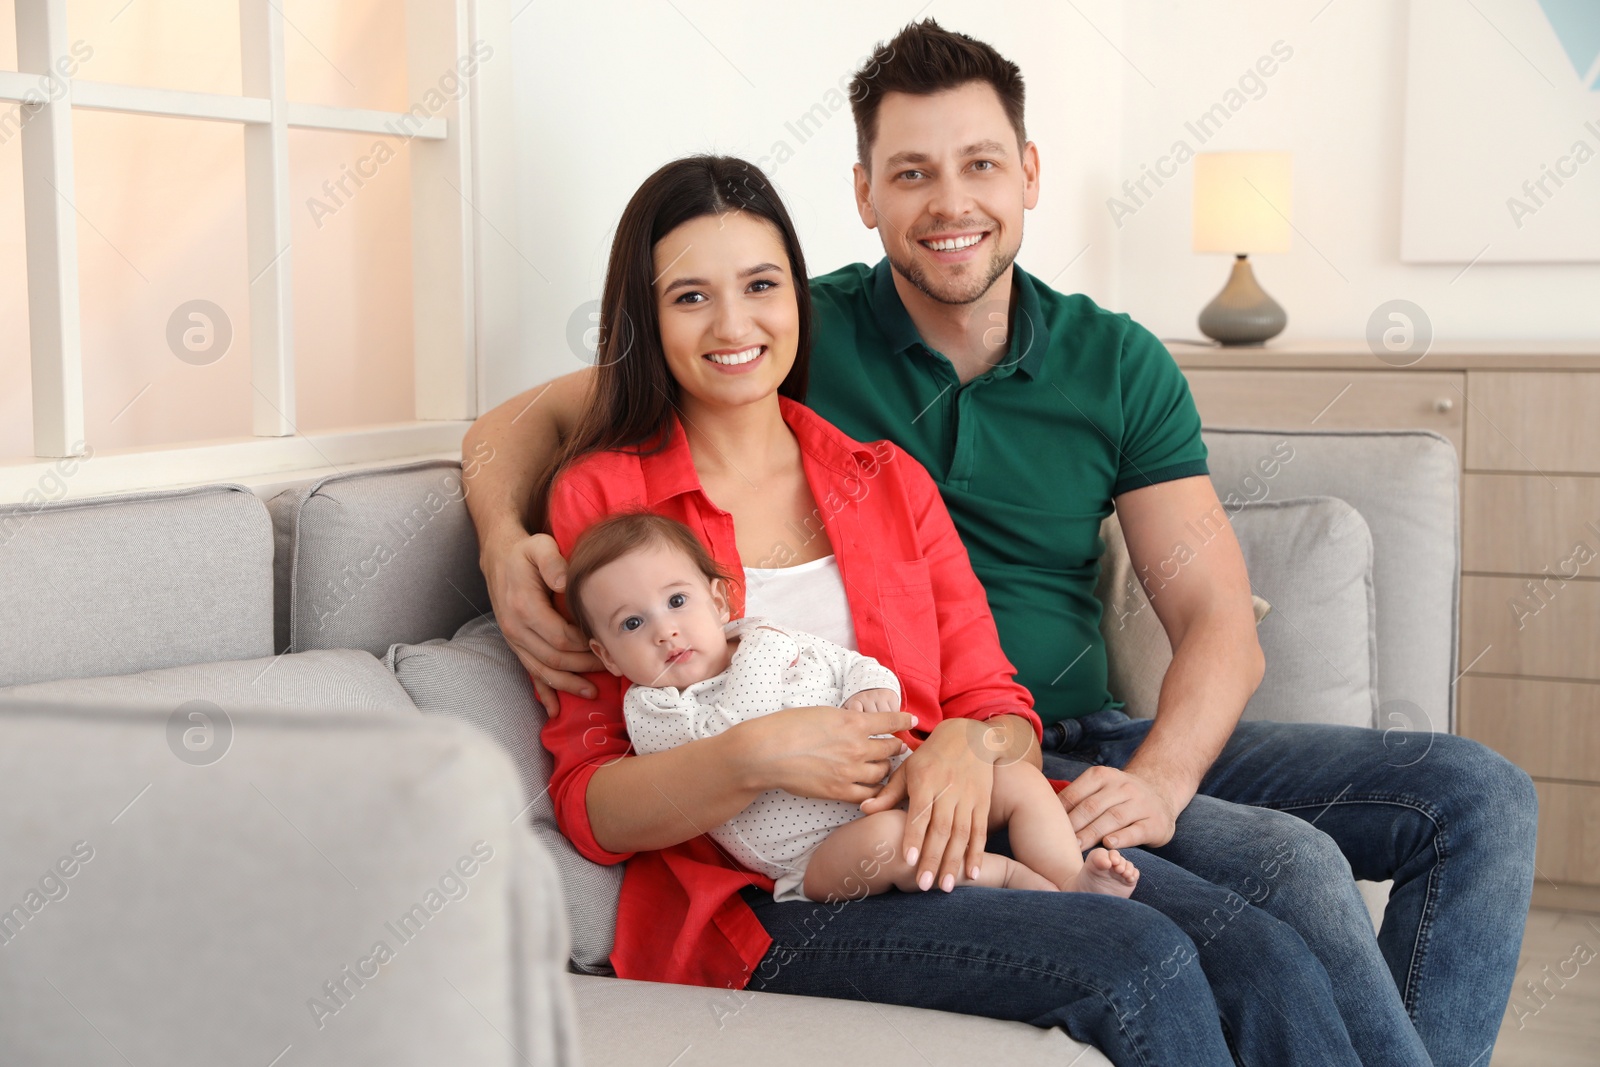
x=400 y=138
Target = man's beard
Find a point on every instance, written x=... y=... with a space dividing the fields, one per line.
x=936 y=287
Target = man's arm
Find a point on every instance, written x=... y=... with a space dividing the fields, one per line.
x=502 y=455
x=1217 y=664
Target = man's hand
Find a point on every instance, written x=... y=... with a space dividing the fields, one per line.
x=521 y=573
x=949 y=780
x=1122 y=809
x=874 y=700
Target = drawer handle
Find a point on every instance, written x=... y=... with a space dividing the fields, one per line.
x=1443 y=404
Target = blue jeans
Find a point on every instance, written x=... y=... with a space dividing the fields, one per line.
x=1225 y=950
x=1449 y=820
x=1114 y=973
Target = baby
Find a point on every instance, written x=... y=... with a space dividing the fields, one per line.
x=655 y=608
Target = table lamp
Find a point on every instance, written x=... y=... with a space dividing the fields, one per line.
x=1242 y=204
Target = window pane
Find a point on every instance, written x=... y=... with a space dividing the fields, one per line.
x=16 y=378
x=350 y=201
x=349 y=54
x=161 y=227
x=8 y=34
x=167 y=44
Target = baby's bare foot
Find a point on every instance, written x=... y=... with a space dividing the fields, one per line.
x=1106 y=871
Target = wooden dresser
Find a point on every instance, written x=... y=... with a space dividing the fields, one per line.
x=1525 y=419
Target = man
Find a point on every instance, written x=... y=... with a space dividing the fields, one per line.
x=1037 y=413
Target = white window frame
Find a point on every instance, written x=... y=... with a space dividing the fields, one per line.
x=463 y=276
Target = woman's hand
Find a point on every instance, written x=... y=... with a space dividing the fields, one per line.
x=823 y=752
x=521 y=571
x=949 y=780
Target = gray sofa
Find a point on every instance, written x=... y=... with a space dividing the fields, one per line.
x=294 y=771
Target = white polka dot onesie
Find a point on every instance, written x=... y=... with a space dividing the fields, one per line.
x=773 y=668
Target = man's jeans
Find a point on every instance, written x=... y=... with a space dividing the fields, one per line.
x=1449 y=820
x=1114 y=973
x=1261 y=900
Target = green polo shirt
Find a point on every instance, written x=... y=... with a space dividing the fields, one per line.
x=1086 y=404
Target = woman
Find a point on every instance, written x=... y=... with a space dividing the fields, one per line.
x=697 y=415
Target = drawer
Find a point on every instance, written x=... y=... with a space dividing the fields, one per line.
x=1549 y=729
x=1569 y=832
x=1531 y=626
x=1521 y=524
x=1336 y=400
x=1532 y=422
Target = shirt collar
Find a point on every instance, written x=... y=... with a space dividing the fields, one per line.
x=1029 y=340
x=670 y=471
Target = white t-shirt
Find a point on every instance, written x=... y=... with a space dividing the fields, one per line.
x=808 y=596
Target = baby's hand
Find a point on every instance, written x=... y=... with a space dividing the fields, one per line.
x=874 y=700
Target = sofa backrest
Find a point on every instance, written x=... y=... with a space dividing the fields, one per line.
x=374 y=558
x=120 y=584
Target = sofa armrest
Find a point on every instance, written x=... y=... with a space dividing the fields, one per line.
x=358 y=887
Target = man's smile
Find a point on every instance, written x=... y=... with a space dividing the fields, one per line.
x=955 y=247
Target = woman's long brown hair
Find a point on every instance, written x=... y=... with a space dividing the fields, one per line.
x=635 y=395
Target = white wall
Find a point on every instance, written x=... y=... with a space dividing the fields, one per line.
x=1339 y=106
x=607 y=91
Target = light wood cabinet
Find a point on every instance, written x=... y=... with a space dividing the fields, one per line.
x=1331 y=400
x=1525 y=420
x=1557 y=521
x=1533 y=423
x=1549 y=729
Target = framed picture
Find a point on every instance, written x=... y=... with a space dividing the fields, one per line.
x=1502 y=132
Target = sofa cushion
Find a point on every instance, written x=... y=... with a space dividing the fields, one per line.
x=341 y=679
x=118 y=584
x=1406 y=485
x=1312 y=558
x=351 y=885
x=371 y=558
x=475 y=677
x=626 y=1023
x=1137 y=650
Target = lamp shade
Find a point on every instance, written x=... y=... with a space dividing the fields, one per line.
x=1242 y=202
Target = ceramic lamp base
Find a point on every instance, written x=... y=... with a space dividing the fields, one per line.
x=1242 y=314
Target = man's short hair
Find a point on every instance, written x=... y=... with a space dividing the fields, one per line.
x=925 y=58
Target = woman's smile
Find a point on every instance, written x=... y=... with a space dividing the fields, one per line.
x=737 y=360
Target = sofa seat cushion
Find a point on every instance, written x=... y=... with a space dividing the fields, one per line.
x=1311 y=558
x=370 y=558
x=117 y=584
x=475 y=677
x=343 y=679
x=624 y=1023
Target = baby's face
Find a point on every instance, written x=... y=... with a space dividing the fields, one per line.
x=657 y=620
